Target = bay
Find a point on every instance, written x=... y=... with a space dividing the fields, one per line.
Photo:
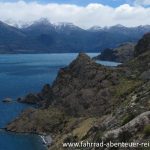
x=21 y=74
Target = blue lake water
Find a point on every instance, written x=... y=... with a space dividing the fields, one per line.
x=108 y=63
x=21 y=74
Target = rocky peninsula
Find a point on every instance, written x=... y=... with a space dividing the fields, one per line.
x=90 y=102
x=123 y=53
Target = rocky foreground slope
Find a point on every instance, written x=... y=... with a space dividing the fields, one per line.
x=90 y=102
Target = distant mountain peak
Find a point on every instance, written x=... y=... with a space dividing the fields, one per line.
x=42 y=21
x=118 y=26
x=95 y=28
x=3 y=24
x=62 y=25
x=144 y=26
x=65 y=27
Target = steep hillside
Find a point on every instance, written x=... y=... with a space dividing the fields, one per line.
x=143 y=45
x=10 y=38
x=141 y=64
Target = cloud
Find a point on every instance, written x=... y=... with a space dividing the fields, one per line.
x=142 y=2
x=84 y=16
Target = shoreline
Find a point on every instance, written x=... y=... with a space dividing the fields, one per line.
x=47 y=140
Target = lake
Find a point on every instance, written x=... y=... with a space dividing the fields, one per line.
x=21 y=74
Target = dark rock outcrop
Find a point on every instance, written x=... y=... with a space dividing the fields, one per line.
x=43 y=99
x=140 y=65
x=29 y=99
x=143 y=45
x=7 y=100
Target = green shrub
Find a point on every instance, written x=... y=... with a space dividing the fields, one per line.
x=147 y=130
x=127 y=118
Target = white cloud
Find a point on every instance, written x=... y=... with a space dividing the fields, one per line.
x=83 y=16
x=142 y=2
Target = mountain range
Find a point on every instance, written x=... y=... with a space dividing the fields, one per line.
x=44 y=37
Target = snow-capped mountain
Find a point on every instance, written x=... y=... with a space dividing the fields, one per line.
x=42 y=36
x=96 y=28
x=61 y=25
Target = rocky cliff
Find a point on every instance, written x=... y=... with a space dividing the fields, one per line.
x=140 y=65
x=143 y=45
x=88 y=101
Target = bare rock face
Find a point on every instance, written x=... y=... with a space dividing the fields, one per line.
x=129 y=130
x=146 y=75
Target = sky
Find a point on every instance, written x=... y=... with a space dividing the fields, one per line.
x=112 y=3
x=83 y=13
